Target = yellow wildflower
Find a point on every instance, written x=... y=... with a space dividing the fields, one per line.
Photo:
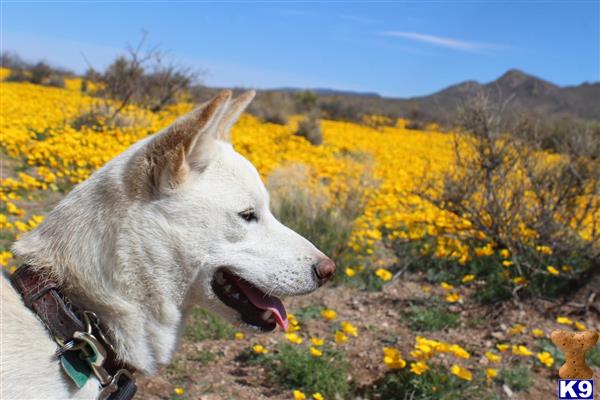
x=508 y=263
x=350 y=272
x=461 y=372
x=446 y=286
x=317 y=342
x=564 y=320
x=349 y=329
x=520 y=350
x=259 y=349
x=239 y=336
x=468 y=278
x=502 y=347
x=516 y=329
x=423 y=349
x=552 y=271
x=495 y=358
x=580 y=326
x=459 y=351
x=328 y=314
x=545 y=358
x=384 y=274
x=504 y=253
x=537 y=332
x=487 y=250
x=491 y=373
x=392 y=358
x=294 y=338
x=179 y=391
x=418 y=368
x=318 y=396
x=5 y=256
x=544 y=250
x=519 y=280
x=298 y=395
x=294 y=325
x=315 y=352
x=340 y=338
x=453 y=297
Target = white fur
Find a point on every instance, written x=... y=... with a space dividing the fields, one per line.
x=141 y=263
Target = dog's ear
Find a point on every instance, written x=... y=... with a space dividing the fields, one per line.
x=165 y=162
x=235 y=109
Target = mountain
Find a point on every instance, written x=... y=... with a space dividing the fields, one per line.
x=328 y=91
x=522 y=92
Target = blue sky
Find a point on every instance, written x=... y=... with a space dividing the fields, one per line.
x=401 y=49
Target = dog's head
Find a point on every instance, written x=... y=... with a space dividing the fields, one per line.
x=236 y=258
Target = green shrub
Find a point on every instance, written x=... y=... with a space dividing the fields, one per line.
x=517 y=377
x=293 y=367
x=499 y=284
x=593 y=356
x=367 y=280
x=431 y=317
x=309 y=312
x=177 y=371
x=547 y=345
x=204 y=357
x=506 y=189
x=432 y=385
x=203 y=325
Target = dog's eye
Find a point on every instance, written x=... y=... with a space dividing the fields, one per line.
x=249 y=215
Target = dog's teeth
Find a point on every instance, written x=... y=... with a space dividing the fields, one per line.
x=227 y=288
x=267 y=315
x=236 y=296
x=220 y=278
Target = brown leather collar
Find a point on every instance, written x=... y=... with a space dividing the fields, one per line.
x=72 y=333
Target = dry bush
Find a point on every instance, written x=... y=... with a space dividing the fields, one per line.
x=307 y=209
x=274 y=107
x=337 y=108
x=40 y=73
x=525 y=200
x=101 y=114
x=306 y=101
x=560 y=133
x=310 y=129
x=143 y=76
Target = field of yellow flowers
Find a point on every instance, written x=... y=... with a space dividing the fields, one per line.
x=411 y=337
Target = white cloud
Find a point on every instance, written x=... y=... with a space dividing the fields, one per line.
x=444 y=41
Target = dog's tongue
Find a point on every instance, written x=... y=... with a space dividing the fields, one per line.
x=266 y=302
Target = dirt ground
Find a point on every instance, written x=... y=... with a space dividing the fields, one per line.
x=378 y=315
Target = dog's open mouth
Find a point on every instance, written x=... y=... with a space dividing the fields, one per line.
x=256 y=307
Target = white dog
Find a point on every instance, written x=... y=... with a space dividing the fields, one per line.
x=178 y=219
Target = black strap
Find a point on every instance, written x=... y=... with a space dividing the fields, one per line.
x=126 y=391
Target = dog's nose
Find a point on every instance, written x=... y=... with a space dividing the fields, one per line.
x=324 y=269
